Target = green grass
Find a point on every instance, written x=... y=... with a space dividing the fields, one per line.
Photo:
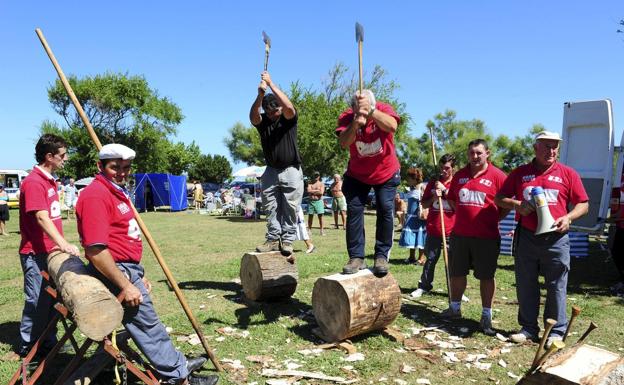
x=204 y=252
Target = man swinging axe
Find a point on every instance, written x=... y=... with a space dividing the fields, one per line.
x=112 y=240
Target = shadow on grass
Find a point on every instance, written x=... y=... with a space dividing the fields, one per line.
x=423 y=314
x=238 y=219
x=271 y=311
x=10 y=334
x=208 y=285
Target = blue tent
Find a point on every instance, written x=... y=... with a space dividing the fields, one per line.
x=153 y=190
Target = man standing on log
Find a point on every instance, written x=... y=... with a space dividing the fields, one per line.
x=111 y=237
x=475 y=240
x=545 y=254
x=367 y=129
x=282 y=181
x=41 y=229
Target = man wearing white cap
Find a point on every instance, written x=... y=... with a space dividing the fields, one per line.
x=111 y=237
x=546 y=254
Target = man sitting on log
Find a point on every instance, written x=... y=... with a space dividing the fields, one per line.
x=112 y=240
x=41 y=229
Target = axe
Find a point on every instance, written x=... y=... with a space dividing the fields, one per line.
x=267 y=48
x=359 y=37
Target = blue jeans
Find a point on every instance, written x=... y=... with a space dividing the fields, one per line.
x=38 y=305
x=356 y=193
x=547 y=255
x=282 y=190
x=145 y=328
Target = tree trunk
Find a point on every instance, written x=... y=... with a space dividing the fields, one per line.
x=267 y=276
x=94 y=308
x=349 y=305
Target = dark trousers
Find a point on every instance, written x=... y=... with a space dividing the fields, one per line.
x=356 y=193
x=433 y=248
x=617 y=251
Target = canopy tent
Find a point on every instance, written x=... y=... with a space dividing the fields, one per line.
x=153 y=190
x=250 y=172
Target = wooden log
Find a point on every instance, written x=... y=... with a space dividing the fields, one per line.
x=94 y=308
x=349 y=305
x=268 y=276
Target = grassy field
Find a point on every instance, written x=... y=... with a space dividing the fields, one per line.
x=204 y=253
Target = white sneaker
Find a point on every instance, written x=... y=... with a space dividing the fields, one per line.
x=310 y=249
x=417 y=293
x=465 y=299
x=521 y=337
x=551 y=339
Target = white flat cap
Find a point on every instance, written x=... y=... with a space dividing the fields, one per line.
x=116 y=151
x=547 y=135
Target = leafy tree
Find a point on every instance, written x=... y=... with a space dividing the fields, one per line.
x=244 y=145
x=122 y=109
x=181 y=157
x=211 y=168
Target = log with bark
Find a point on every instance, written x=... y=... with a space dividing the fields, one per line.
x=267 y=276
x=349 y=305
x=94 y=308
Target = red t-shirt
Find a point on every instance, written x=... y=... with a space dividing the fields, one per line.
x=372 y=157
x=476 y=215
x=433 y=219
x=105 y=217
x=562 y=186
x=37 y=193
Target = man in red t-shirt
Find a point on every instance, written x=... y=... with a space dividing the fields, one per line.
x=367 y=130
x=437 y=187
x=41 y=230
x=546 y=254
x=111 y=236
x=475 y=239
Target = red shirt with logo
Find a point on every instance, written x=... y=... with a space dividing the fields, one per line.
x=105 y=217
x=562 y=186
x=434 y=227
x=372 y=157
x=38 y=192
x=476 y=215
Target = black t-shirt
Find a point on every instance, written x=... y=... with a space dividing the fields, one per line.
x=279 y=141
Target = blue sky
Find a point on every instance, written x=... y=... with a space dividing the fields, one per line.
x=511 y=64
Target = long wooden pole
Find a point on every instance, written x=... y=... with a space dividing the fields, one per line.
x=144 y=230
x=444 y=248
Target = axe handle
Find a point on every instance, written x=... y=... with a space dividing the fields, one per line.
x=360 y=65
x=266 y=58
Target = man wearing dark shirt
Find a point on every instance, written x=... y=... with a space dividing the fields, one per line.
x=282 y=181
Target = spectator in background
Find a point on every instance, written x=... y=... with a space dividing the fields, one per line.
x=414 y=233
x=198 y=195
x=302 y=232
x=4 y=210
x=316 y=189
x=339 y=202
x=71 y=197
x=400 y=208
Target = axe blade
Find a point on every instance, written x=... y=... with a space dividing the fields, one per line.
x=359 y=32
x=266 y=39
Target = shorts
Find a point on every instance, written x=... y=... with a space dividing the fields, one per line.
x=4 y=212
x=478 y=254
x=316 y=207
x=339 y=204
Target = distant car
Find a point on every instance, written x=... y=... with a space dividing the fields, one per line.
x=327 y=202
x=210 y=187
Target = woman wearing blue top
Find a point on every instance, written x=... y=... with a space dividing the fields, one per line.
x=414 y=231
x=4 y=210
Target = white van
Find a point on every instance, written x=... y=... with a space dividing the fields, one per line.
x=11 y=180
x=589 y=147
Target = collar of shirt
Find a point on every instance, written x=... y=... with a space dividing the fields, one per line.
x=112 y=184
x=45 y=173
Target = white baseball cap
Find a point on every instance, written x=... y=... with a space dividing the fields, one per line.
x=116 y=151
x=547 y=135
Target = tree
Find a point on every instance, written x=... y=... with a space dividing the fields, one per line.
x=244 y=145
x=181 y=157
x=122 y=109
x=209 y=168
x=512 y=153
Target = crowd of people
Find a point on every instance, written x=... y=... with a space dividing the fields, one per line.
x=459 y=208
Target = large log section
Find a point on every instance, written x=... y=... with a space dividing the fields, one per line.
x=349 y=305
x=268 y=276
x=94 y=308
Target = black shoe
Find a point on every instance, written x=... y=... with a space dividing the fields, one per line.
x=381 y=266
x=195 y=379
x=354 y=265
x=287 y=249
x=192 y=364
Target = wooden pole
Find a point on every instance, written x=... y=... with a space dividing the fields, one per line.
x=142 y=226
x=442 y=226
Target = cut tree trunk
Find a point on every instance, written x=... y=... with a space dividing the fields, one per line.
x=267 y=276
x=94 y=308
x=349 y=305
